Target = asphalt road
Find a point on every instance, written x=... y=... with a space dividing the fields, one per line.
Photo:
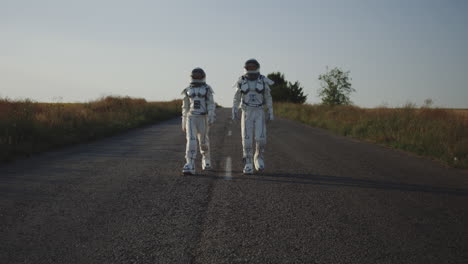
x=322 y=199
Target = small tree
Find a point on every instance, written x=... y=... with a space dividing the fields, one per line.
x=335 y=87
x=284 y=91
x=428 y=103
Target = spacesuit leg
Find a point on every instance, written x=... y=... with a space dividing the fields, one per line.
x=247 y=125
x=191 y=149
x=204 y=141
x=260 y=139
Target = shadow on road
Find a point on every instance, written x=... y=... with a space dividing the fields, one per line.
x=337 y=181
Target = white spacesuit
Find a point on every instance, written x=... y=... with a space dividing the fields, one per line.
x=198 y=113
x=252 y=95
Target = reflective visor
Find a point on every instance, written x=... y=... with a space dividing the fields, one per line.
x=251 y=67
x=198 y=76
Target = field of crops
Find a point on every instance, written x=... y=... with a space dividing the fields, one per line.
x=27 y=127
x=432 y=132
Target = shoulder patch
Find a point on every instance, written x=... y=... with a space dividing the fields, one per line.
x=209 y=89
x=239 y=82
x=184 y=92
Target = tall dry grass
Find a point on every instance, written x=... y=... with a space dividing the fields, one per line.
x=438 y=133
x=27 y=127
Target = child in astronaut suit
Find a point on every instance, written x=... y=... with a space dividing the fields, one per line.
x=198 y=113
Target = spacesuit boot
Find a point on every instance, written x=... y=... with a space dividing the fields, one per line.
x=248 y=167
x=206 y=162
x=189 y=169
x=258 y=158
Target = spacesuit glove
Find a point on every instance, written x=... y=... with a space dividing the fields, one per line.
x=271 y=117
x=184 y=123
x=211 y=118
x=235 y=114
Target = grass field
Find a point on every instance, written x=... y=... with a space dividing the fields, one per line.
x=28 y=127
x=431 y=132
x=463 y=112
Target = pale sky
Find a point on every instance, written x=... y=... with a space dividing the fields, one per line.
x=74 y=51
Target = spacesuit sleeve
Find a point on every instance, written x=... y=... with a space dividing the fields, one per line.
x=185 y=104
x=237 y=99
x=237 y=96
x=210 y=104
x=269 y=81
x=268 y=98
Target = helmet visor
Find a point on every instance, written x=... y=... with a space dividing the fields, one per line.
x=198 y=76
x=251 y=67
